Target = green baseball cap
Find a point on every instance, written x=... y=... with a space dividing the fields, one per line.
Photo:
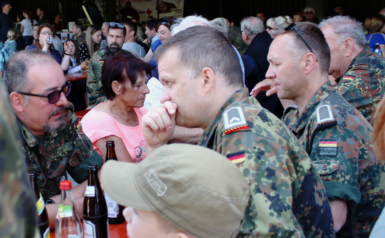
x=196 y=189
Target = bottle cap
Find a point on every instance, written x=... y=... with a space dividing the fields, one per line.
x=65 y=185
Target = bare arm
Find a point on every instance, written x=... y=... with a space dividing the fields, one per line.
x=383 y=49
x=148 y=56
x=339 y=211
x=120 y=149
x=186 y=135
x=22 y=29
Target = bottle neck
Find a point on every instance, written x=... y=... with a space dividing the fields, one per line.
x=66 y=197
x=111 y=153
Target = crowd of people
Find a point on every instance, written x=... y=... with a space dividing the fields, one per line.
x=279 y=113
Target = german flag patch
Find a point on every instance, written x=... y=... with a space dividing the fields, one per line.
x=348 y=77
x=237 y=157
x=327 y=147
x=77 y=123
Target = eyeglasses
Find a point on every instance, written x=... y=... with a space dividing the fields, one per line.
x=293 y=27
x=114 y=24
x=46 y=33
x=309 y=12
x=55 y=95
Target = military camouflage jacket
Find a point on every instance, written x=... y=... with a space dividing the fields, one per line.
x=287 y=198
x=363 y=84
x=79 y=39
x=338 y=139
x=66 y=149
x=17 y=205
x=95 y=91
x=237 y=41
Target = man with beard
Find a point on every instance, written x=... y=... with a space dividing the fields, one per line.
x=53 y=140
x=115 y=40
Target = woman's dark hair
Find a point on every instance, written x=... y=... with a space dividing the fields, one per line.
x=374 y=23
x=30 y=14
x=37 y=43
x=167 y=22
x=77 y=54
x=113 y=71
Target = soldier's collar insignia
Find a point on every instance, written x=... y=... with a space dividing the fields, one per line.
x=237 y=157
x=325 y=115
x=348 y=77
x=289 y=108
x=234 y=120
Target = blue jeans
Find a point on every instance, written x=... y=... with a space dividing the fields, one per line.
x=28 y=40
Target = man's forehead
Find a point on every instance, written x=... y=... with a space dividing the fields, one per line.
x=116 y=32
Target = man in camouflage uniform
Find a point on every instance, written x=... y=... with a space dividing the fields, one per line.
x=205 y=90
x=78 y=35
x=115 y=39
x=53 y=139
x=335 y=134
x=17 y=206
x=359 y=73
x=236 y=37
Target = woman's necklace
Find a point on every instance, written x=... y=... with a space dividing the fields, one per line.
x=122 y=115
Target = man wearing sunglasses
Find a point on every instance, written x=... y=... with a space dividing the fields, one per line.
x=54 y=142
x=115 y=40
x=334 y=133
x=310 y=15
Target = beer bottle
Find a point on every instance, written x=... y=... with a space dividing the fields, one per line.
x=42 y=220
x=67 y=219
x=94 y=207
x=115 y=211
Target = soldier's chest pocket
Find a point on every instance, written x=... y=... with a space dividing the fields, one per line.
x=327 y=169
x=56 y=166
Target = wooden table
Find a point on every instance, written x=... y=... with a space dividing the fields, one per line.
x=76 y=76
x=116 y=231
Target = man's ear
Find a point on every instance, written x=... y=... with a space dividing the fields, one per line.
x=207 y=79
x=348 y=46
x=181 y=234
x=309 y=61
x=17 y=101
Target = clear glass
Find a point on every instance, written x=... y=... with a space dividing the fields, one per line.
x=68 y=223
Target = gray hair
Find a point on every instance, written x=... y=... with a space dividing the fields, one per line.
x=201 y=46
x=252 y=26
x=104 y=24
x=16 y=70
x=346 y=27
x=309 y=8
x=184 y=23
x=221 y=25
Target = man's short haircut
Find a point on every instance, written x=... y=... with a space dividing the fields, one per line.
x=152 y=23
x=116 y=27
x=202 y=46
x=346 y=27
x=221 y=25
x=113 y=68
x=132 y=26
x=105 y=24
x=252 y=26
x=42 y=9
x=310 y=9
x=184 y=23
x=79 y=26
x=16 y=70
x=316 y=40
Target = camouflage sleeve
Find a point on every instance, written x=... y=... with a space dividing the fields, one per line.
x=83 y=153
x=266 y=168
x=94 y=84
x=17 y=206
x=344 y=161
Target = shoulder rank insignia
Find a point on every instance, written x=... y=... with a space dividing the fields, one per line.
x=325 y=116
x=234 y=120
x=237 y=157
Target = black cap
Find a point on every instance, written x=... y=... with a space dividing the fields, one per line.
x=5 y=3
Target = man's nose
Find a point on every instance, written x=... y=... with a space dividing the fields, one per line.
x=165 y=96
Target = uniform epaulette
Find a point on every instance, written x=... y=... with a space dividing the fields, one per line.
x=234 y=120
x=361 y=63
x=325 y=117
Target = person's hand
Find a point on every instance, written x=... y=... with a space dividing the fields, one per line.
x=84 y=64
x=158 y=125
x=266 y=85
x=45 y=43
x=146 y=41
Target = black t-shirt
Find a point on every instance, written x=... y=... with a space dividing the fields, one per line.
x=6 y=23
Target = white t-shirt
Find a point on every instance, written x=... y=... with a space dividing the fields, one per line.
x=28 y=27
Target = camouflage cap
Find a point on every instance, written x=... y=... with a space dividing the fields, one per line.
x=194 y=188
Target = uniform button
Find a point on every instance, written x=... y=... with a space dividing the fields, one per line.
x=49 y=172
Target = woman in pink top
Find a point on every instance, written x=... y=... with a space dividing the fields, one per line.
x=119 y=119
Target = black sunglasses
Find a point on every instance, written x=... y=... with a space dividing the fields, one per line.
x=55 y=95
x=114 y=24
x=293 y=27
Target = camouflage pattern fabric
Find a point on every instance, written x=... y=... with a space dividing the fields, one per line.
x=66 y=149
x=18 y=215
x=343 y=154
x=287 y=198
x=237 y=41
x=79 y=39
x=95 y=91
x=363 y=84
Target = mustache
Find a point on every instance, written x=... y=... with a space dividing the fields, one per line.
x=59 y=109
